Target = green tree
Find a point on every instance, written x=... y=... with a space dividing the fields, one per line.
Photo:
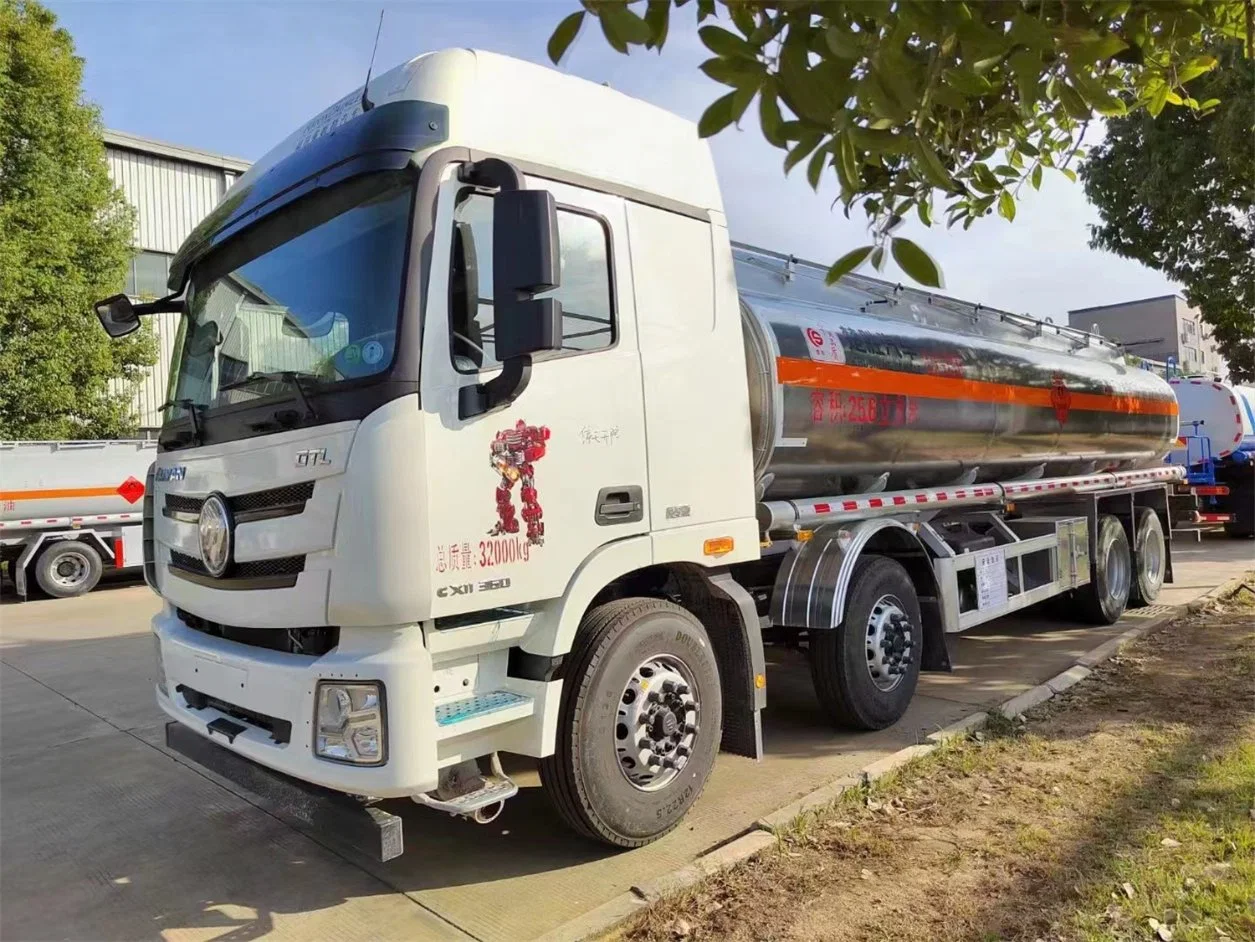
x=1178 y=194
x=65 y=233
x=904 y=98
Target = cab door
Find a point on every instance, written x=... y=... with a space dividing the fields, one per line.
x=520 y=497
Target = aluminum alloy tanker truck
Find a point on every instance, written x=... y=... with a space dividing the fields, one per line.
x=572 y=458
x=1216 y=447
x=69 y=511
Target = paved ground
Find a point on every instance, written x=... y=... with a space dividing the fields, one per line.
x=106 y=836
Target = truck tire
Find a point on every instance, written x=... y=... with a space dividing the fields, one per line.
x=639 y=725
x=865 y=670
x=1149 y=558
x=1242 y=507
x=68 y=568
x=1103 y=601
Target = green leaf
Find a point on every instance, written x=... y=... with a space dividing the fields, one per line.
x=1006 y=206
x=769 y=116
x=925 y=212
x=843 y=44
x=723 y=43
x=815 y=168
x=1196 y=67
x=917 y=263
x=804 y=146
x=1005 y=171
x=847 y=163
x=718 y=116
x=624 y=22
x=1069 y=173
x=737 y=72
x=564 y=35
x=1158 y=98
x=743 y=17
x=1027 y=70
x=847 y=263
x=1097 y=96
x=878 y=258
x=931 y=167
x=658 y=16
x=1073 y=103
x=1209 y=104
x=1035 y=178
x=1096 y=50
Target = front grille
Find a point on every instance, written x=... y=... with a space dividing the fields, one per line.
x=314 y=642
x=277 y=573
x=285 y=501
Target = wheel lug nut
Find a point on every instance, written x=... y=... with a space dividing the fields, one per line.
x=682 y=751
x=652 y=697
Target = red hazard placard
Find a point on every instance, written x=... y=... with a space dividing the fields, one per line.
x=131 y=490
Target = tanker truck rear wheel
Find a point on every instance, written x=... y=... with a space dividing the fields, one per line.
x=1103 y=601
x=865 y=670
x=639 y=725
x=1150 y=558
x=68 y=568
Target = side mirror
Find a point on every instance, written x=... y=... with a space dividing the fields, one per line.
x=526 y=262
x=117 y=315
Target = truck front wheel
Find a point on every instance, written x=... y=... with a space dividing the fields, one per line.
x=865 y=670
x=68 y=568
x=640 y=722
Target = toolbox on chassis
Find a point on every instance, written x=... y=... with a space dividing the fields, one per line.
x=487 y=439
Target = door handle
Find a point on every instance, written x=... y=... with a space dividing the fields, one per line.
x=620 y=504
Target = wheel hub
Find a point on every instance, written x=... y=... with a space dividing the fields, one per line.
x=70 y=569
x=889 y=646
x=657 y=722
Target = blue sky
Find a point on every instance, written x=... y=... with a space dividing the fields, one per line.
x=235 y=77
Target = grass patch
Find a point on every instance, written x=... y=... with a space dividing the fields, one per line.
x=1128 y=799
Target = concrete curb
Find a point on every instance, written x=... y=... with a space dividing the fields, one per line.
x=625 y=905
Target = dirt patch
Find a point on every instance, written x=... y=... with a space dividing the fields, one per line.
x=1123 y=809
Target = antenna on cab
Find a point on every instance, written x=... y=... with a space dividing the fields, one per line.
x=367 y=104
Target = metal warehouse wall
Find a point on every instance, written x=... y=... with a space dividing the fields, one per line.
x=170 y=196
x=172 y=189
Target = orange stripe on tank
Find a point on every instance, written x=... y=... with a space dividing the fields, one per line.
x=793 y=371
x=55 y=493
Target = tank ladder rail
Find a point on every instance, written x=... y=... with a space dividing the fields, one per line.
x=780 y=515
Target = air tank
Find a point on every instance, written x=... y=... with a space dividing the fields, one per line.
x=865 y=386
x=40 y=481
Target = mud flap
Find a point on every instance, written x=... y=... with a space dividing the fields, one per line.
x=328 y=814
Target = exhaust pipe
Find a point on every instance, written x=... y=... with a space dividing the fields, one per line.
x=487 y=814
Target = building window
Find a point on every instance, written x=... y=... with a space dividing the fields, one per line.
x=147 y=274
x=585 y=292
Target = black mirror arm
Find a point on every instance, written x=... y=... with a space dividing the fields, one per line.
x=502 y=389
x=170 y=303
x=492 y=172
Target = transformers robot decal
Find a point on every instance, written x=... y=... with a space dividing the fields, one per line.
x=513 y=455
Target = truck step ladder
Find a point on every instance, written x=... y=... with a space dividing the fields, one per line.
x=471 y=714
x=468 y=791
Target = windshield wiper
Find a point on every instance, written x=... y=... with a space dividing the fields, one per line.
x=193 y=410
x=291 y=377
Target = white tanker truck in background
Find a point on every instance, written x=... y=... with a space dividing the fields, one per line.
x=574 y=458
x=69 y=511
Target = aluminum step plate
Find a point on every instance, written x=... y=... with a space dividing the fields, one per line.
x=458 y=711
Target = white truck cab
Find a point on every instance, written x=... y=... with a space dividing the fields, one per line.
x=462 y=462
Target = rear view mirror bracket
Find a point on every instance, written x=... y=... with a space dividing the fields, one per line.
x=525 y=263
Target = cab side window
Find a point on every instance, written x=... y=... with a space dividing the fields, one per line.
x=585 y=292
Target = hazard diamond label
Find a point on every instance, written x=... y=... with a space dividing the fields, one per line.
x=131 y=490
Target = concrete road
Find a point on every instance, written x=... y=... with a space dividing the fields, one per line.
x=103 y=835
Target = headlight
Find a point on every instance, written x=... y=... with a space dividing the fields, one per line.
x=349 y=723
x=161 y=666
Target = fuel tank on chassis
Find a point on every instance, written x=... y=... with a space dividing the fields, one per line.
x=864 y=379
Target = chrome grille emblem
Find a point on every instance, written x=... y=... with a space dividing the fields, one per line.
x=216 y=530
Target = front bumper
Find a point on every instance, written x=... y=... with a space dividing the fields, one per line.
x=282 y=686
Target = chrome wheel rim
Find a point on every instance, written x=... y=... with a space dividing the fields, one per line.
x=889 y=644
x=1152 y=557
x=70 y=570
x=1118 y=572
x=657 y=722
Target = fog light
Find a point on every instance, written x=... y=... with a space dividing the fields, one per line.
x=349 y=721
x=161 y=666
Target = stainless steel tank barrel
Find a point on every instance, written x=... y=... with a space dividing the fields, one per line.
x=868 y=386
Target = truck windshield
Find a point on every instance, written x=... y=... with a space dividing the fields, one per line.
x=309 y=297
